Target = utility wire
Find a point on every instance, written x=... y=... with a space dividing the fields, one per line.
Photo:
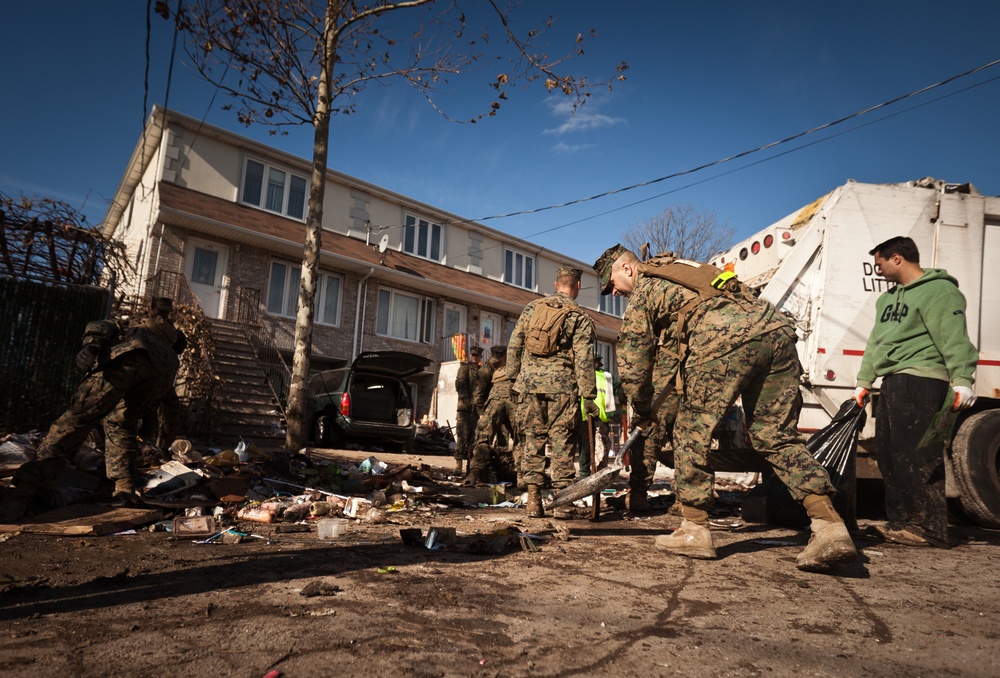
x=749 y=152
x=762 y=160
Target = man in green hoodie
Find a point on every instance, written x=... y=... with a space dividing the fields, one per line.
x=921 y=349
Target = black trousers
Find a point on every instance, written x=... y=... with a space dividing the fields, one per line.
x=914 y=476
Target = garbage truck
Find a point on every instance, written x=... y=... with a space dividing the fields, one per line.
x=815 y=267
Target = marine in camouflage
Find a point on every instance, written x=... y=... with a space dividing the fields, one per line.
x=466 y=415
x=499 y=418
x=733 y=345
x=550 y=388
x=121 y=391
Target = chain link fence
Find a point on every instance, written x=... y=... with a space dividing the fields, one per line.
x=41 y=325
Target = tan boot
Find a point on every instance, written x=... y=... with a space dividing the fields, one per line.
x=124 y=491
x=692 y=539
x=638 y=500
x=459 y=466
x=830 y=543
x=535 y=509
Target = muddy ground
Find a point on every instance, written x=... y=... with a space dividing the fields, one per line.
x=595 y=598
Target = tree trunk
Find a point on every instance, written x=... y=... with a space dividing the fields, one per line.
x=297 y=412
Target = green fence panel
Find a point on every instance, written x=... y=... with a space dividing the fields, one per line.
x=41 y=325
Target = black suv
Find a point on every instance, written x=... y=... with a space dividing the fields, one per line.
x=367 y=403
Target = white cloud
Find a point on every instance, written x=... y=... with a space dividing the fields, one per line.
x=585 y=117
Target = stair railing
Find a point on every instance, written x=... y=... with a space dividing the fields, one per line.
x=251 y=318
x=198 y=377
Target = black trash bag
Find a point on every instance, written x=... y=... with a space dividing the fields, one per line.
x=835 y=447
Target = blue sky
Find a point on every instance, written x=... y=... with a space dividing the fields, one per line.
x=706 y=81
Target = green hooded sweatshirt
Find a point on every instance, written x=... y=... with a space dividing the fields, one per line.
x=920 y=330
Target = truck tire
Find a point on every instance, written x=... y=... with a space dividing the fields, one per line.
x=976 y=460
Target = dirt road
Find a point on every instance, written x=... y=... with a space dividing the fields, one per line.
x=594 y=599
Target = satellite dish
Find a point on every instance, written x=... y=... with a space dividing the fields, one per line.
x=383 y=243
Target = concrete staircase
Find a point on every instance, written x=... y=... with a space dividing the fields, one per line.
x=244 y=407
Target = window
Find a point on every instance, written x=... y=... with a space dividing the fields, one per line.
x=405 y=316
x=422 y=238
x=519 y=269
x=283 y=294
x=607 y=353
x=613 y=305
x=273 y=189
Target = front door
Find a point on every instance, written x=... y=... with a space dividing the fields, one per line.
x=205 y=268
x=489 y=332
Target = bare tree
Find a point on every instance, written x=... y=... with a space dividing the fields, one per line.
x=686 y=231
x=291 y=62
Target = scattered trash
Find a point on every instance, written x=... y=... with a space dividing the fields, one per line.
x=387 y=570
x=197 y=526
x=440 y=537
x=331 y=528
x=373 y=466
x=17 y=449
x=171 y=478
x=412 y=536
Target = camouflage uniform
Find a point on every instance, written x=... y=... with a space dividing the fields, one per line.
x=121 y=391
x=550 y=389
x=466 y=413
x=482 y=386
x=500 y=414
x=736 y=346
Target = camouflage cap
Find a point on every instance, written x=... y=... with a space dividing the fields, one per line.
x=498 y=351
x=163 y=304
x=604 y=264
x=476 y=350
x=570 y=271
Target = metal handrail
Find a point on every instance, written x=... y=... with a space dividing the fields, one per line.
x=251 y=318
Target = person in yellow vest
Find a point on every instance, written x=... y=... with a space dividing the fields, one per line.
x=608 y=397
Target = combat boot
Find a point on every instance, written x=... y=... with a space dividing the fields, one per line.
x=638 y=500
x=535 y=509
x=459 y=466
x=692 y=539
x=124 y=492
x=830 y=543
x=472 y=478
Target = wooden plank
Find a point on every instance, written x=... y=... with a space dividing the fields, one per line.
x=85 y=519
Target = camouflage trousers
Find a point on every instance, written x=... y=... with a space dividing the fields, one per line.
x=766 y=373
x=648 y=450
x=549 y=418
x=465 y=431
x=500 y=415
x=120 y=393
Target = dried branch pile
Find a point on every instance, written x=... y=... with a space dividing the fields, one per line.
x=45 y=239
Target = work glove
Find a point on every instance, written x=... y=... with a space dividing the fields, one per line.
x=590 y=408
x=964 y=398
x=860 y=396
x=87 y=358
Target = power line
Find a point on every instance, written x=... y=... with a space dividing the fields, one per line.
x=749 y=152
x=762 y=160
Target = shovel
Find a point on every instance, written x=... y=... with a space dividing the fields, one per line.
x=598 y=481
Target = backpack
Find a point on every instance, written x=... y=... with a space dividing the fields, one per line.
x=544 y=330
x=708 y=281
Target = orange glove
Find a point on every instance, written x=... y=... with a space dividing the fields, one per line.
x=964 y=398
x=860 y=396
